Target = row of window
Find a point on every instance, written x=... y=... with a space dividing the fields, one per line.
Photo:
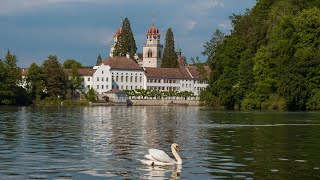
x=149 y=80
x=200 y=88
x=162 y=81
x=149 y=87
x=122 y=79
x=187 y=85
x=126 y=87
x=173 y=81
x=128 y=74
x=149 y=54
x=163 y=88
x=102 y=79
x=115 y=87
x=126 y=79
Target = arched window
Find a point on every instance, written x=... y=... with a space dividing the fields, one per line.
x=149 y=53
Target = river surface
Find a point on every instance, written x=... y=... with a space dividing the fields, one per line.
x=106 y=143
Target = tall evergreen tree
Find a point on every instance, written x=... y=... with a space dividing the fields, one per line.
x=10 y=76
x=55 y=77
x=120 y=47
x=126 y=43
x=170 y=58
x=131 y=47
x=99 y=60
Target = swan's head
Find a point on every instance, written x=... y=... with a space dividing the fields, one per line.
x=176 y=147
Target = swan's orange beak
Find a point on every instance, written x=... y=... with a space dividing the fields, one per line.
x=177 y=148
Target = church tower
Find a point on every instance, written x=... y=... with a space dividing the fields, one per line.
x=115 y=39
x=152 y=50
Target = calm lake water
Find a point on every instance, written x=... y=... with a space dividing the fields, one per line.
x=105 y=143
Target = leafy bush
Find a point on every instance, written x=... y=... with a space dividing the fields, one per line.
x=91 y=95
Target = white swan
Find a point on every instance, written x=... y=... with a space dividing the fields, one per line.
x=157 y=157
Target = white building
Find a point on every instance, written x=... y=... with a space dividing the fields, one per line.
x=125 y=74
x=186 y=78
x=144 y=72
x=152 y=50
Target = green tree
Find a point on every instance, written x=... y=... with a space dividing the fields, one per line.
x=170 y=58
x=69 y=63
x=35 y=81
x=91 y=95
x=270 y=60
x=10 y=76
x=99 y=60
x=75 y=80
x=299 y=35
x=55 y=77
x=132 y=47
x=126 y=43
x=200 y=68
x=210 y=47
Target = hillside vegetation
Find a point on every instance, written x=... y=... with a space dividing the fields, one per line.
x=271 y=59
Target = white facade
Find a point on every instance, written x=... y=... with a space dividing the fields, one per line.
x=192 y=85
x=87 y=83
x=152 y=50
x=127 y=79
x=102 y=79
x=105 y=79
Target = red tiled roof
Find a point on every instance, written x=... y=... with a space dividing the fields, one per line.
x=119 y=62
x=82 y=71
x=185 y=72
x=167 y=73
x=194 y=71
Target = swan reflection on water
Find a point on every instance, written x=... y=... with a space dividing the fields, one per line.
x=162 y=172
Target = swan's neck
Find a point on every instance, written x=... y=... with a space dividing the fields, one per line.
x=176 y=155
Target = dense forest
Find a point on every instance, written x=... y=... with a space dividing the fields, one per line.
x=49 y=81
x=270 y=60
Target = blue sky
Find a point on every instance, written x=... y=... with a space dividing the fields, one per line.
x=83 y=29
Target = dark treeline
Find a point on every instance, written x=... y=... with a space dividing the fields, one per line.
x=271 y=59
x=50 y=80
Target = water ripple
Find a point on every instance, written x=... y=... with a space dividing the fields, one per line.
x=105 y=142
